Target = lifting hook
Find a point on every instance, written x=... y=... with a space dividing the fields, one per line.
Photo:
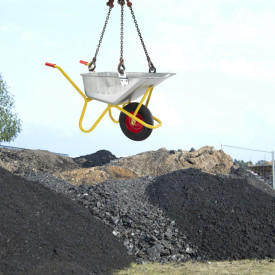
x=110 y=3
x=121 y=66
x=92 y=65
x=129 y=4
x=121 y=2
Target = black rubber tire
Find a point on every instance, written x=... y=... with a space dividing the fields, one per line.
x=147 y=117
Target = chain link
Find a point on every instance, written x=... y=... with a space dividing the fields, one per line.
x=93 y=62
x=121 y=31
x=121 y=66
x=152 y=69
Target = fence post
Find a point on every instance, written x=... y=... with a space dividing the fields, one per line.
x=273 y=177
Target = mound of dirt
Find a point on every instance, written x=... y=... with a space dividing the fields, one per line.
x=226 y=217
x=42 y=232
x=162 y=161
x=99 y=158
x=94 y=175
x=103 y=165
x=20 y=162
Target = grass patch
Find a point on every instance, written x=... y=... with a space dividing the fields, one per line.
x=244 y=267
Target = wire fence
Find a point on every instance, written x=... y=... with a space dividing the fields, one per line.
x=259 y=160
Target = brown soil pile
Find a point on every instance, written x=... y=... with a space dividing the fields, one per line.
x=151 y=163
x=161 y=162
x=94 y=175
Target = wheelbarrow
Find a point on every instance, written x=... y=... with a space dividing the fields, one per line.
x=119 y=92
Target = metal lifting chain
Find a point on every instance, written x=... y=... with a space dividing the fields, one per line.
x=121 y=66
x=152 y=68
x=92 y=64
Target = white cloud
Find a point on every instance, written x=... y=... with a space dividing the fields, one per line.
x=49 y=44
x=165 y=109
x=4 y=28
x=238 y=42
x=9 y=27
x=27 y=36
x=244 y=68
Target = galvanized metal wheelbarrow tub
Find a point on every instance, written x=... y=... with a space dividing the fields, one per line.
x=136 y=121
x=112 y=89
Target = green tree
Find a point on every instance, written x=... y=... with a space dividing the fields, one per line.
x=10 y=124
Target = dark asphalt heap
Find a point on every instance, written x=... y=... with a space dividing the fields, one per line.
x=99 y=158
x=43 y=232
x=226 y=217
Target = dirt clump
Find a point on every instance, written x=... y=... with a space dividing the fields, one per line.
x=21 y=161
x=94 y=175
x=163 y=161
x=226 y=217
x=42 y=232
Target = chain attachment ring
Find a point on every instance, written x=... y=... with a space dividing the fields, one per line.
x=121 y=66
x=110 y=3
x=129 y=4
x=152 y=68
x=92 y=65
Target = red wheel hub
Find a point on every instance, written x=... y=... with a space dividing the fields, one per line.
x=134 y=127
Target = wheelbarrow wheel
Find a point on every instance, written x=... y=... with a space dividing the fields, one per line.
x=136 y=131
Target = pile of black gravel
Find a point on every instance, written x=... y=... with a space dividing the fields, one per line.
x=226 y=217
x=183 y=215
x=147 y=233
x=187 y=214
x=44 y=232
x=99 y=158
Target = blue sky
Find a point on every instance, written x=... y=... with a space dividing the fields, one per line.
x=221 y=50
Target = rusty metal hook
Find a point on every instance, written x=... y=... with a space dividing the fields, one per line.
x=92 y=65
x=110 y=3
x=121 y=67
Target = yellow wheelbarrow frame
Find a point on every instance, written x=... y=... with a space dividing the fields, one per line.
x=146 y=96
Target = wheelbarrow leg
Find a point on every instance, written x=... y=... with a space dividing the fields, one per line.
x=97 y=121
